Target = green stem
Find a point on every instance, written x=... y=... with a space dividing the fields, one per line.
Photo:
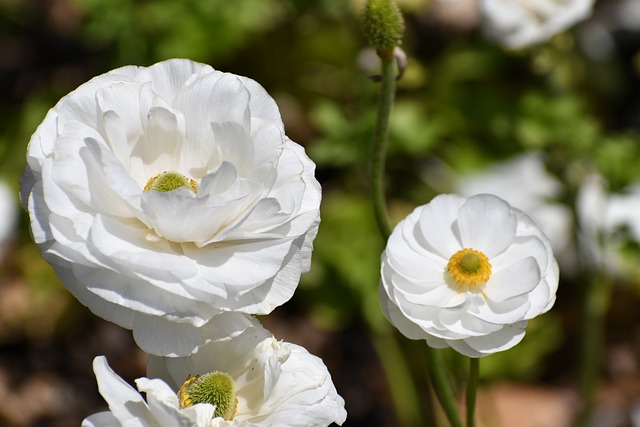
x=379 y=144
x=472 y=388
x=399 y=377
x=442 y=386
x=596 y=304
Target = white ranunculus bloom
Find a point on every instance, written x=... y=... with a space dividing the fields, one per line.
x=276 y=384
x=467 y=273
x=517 y=24
x=169 y=200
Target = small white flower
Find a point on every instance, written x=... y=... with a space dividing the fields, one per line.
x=168 y=200
x=517 y=24
x=467 y=273
x=266 y=383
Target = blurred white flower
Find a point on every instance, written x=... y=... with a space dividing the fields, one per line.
x=524 y=183
x=275 y=384
x=8 y=215
x=517 y=24
x=467 y=273
x=169 y=200
x=601 y=215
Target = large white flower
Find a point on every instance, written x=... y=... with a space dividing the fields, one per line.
x=467 y=273
x=517 y=24
x=257 y=380
x=168 y=196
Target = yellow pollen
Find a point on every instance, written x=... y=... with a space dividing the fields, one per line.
x=469 y=267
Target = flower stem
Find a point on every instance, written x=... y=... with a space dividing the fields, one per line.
x=442 y=386
x=596 y=304
x=399 y=377
x=379 y=143
x=472 y=387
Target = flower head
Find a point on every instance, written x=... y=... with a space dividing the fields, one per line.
x=467 y=273
x=169 y=200
x=520 y=23
x=258 y=380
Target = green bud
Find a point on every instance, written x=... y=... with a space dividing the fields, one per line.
x=383 y=24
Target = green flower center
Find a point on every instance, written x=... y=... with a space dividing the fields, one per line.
x=469 y=267
x=169 y=181
x=216 y=388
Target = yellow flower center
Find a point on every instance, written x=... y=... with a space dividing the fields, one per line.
x=216 y=388
x=169 y=181
x=469 y=267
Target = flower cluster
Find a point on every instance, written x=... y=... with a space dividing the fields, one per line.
x=169 y=201
x=467 y=273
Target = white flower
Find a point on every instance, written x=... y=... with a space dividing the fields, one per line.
x=601 y=216
x=517 y=24
x=523 y=182
x=8 y=216
x=173 y=256
x=276 y=384
x=467 y=273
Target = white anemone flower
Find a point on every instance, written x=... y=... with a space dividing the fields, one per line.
x=517 y=24
x=169 y=201
x=467 y=273
x=253 y=380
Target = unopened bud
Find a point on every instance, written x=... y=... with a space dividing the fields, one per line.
x=383 y=25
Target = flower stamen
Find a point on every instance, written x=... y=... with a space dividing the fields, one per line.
x=469 y=267
x=216 y=388
x=169 y=181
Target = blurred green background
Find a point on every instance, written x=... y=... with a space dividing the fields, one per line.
x=463 y=105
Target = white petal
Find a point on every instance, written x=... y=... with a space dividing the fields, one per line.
x=502 y=340
x=125 y=403
x=398 y=319
x=439 y=226
x=101 y=419
x=165 y=337
x=519 y=278
x=487 y=224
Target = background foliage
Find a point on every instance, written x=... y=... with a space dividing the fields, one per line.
x=463 y=105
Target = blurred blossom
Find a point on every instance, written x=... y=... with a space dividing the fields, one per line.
x=526 y=185
x=597 y=37
x=8 y=215
x=275 y=383
x=467 y=274
x=517 y=24
x=169 y=200
x=607 y=223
